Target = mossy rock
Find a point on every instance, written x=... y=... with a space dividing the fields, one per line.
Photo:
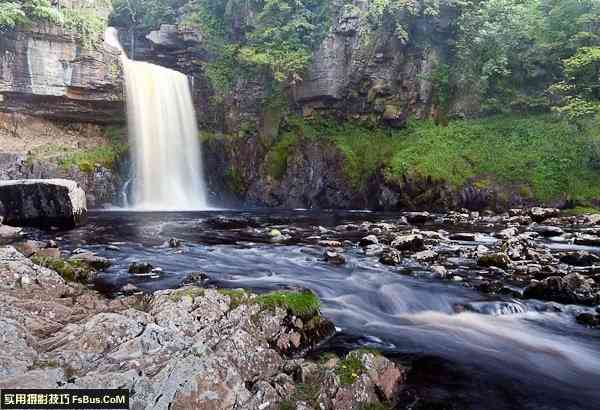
x=302 y=304
x=70 y=270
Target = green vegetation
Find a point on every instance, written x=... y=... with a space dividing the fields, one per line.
x=236 y=296
x=70 y=270
x=180 y=294
x=302 y=304
x=83 y=21
x=349 y=369
x=544 y=155
x=86 y=160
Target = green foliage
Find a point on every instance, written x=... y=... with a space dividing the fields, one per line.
x=83 y=21
x=278 y=155
x=236 y=296
x=349 y=369
x=302 y=304
x=145 y=14
x=86 y=160
x=542 y=153
x=69 y=270
x=276 y=43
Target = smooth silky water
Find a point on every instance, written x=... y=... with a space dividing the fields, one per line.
x=504 y=353
x=166 y=151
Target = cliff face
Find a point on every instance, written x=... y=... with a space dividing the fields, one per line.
x=375 y=78
x=45 y=71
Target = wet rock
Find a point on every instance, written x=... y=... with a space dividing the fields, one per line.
x=223 y=222
x=369 y=240
x=92 y=260
x=9 y=234
x=541 y=214
x=334 y=257
x=130 y=289
x=330 y=244
x=587 y=240
x=439 y=272
x=548 y=231
x=588 y=319
x=571 y=289
x=175 y=243
x=418 y=217
x=196 y=278
x=580 y=258
x=412 y=242
x=140 y=267
x=374 y=250
x=500 y=260
x=464 y=237
x=507 y=233
x=593 y=219
x=425 y=256
x=391 y=257
x=43 y=203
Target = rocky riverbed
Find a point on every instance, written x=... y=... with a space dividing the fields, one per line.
x=457 y=310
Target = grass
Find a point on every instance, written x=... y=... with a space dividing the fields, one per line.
x=539 y=156
x=349 y=369
x=302 y=304
x=236 y=296
x=86 y=160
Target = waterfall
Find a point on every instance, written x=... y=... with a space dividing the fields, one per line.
x=163 y=136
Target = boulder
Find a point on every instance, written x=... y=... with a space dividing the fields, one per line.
x=499 y=260
x=572 y=289
x=43 y=203
x=541 y=214
x=8 y=234
x=409 y=243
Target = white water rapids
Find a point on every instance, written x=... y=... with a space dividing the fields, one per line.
x=166 y=151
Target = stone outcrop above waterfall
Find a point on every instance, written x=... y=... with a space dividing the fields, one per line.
x=42 y=203
x=45 y=71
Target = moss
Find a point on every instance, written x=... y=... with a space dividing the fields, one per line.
x=541 y=152
x=85 y=160
x=180 y=294
x=349 y=369
x=234 y=180
x=277 y=157
x=287 y=405
x=63 y=268
x=302 y=304
x=236 y=296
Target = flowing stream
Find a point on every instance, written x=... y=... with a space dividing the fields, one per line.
x=166 y=151
x=497 y=353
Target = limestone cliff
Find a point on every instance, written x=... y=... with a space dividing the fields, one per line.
x=45 y=71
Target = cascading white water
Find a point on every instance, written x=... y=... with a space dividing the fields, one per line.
x=166 y=151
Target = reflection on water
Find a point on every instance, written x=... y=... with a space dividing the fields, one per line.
x=518 y=354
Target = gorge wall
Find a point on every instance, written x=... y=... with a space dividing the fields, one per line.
x=46 y=73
